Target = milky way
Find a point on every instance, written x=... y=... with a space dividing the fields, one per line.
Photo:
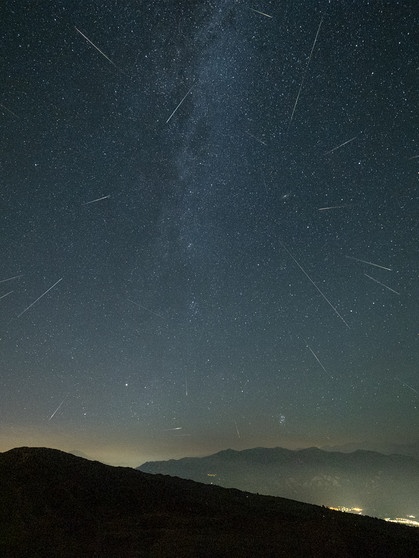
x=208 y=226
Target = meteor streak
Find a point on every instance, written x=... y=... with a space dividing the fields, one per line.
x=39 y=297
x=179 y=105
x=97 y=48
x=341 y=145
x=98 y=199
x=305 y=71
x=261 y=13
x=369 y=263
x=58 y=408
x=382 y=284
x=11 y=278
x=314 y=285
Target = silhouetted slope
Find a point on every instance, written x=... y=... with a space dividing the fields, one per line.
x=57 y=504
x=383 y=485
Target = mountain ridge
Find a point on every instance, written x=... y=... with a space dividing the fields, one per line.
x=382 y=485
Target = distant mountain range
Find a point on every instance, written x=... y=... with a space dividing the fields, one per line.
x=387 y=448
x=56 y=504
x=382 y=485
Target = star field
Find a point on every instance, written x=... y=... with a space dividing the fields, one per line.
x=208 y=226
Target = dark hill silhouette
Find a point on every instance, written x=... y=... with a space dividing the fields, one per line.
x=382 y=485
x=54 y=504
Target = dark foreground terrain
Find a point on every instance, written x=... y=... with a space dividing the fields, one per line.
x=56 y=504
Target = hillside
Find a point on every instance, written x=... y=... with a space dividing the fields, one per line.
x=382 y=485
x=57 y=504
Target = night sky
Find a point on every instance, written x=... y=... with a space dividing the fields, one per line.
x=209 y=225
